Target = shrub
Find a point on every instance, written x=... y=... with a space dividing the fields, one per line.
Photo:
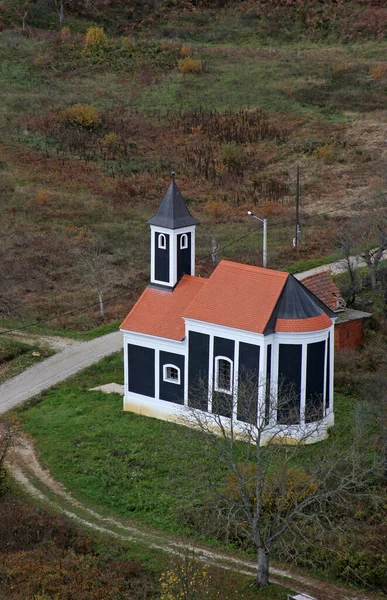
x=233 y=158
x=281 y=493
x=187 y=578
x=378 y=72
x=218 y=211
x=96 y=39
x=43 y=198
x=341 y=67
x=111 y=141
x=325 y=152
x=65 y=34
x=190 y=65
x=85 y=116
x=185 y=51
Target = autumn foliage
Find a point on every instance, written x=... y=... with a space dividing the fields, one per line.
x=43 y=556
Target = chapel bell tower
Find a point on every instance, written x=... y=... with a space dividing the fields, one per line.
x=172 y=240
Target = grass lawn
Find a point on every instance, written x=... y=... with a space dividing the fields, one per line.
x=135 y=466
x=157 y=472
x=16 y=356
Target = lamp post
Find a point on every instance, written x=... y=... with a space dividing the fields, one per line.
x=264 y=249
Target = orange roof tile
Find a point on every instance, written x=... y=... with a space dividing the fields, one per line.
x=235 y=295
x=239 y=296
x=297 y=325
x=322 y=286
x=159 y=312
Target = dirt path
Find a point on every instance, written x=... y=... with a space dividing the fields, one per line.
x=56 y=342
x=24 y=466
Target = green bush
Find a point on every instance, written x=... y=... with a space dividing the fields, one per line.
x=233 y=158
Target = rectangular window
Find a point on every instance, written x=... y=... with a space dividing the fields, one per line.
x=223 y=375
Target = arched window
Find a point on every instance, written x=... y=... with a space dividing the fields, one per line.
x=223 y=374
x=184 y=241
x=171 y=374
x=162 y=242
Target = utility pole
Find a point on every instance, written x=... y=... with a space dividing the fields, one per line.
x=214 y=251
x=296 y=239
x=264 y=248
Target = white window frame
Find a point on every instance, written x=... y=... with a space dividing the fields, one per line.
x=183 y=241
x=162 y=241
x=170 y=379
x=216 y=381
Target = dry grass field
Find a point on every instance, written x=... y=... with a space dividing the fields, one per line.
x=91 y=128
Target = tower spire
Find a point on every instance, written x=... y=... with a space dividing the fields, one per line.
x=172 y=239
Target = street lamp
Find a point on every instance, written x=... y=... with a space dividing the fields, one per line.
x=264 y=249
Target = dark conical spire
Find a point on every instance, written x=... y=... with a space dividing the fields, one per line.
x=297 y=302
x=173 y=212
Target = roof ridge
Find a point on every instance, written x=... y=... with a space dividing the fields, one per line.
x=262 y=270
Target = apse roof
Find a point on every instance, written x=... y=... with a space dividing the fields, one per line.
x=172 y=212
x=235 y=295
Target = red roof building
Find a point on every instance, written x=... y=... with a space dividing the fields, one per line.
x=190 y=343
x=349 y=322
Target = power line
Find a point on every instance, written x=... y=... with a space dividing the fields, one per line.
x=70 y=312
x=289 y=222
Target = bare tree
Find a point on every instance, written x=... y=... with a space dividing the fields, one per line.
x=60 y=6
x=214 y=251
x=94 y=269
x=366 y=234
x=347 y=245
x=267 y=492
x=372 y=412
x=373 y=256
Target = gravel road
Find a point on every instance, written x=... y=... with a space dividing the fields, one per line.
x=59 y=367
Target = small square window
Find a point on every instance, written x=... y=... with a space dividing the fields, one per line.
x=171 y=374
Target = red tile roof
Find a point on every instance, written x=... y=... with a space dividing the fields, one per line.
x=297 y=325
x=322 y=286
x=239 y=296
x=235 y=295
x=159 y=312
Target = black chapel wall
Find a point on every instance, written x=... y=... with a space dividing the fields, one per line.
x=183 y=257
x=289 y=383
x=172 y=392
x=248 y=378
x=162 y=259
x=141 y=366
x=315 y=381
x=221 y=402
x=198 y=357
